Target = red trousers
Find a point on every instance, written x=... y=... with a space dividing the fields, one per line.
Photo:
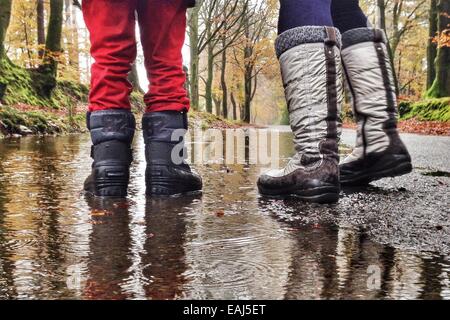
x=111 y=24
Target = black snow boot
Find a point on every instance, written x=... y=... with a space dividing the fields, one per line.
x=167 y=172
x=112 y=132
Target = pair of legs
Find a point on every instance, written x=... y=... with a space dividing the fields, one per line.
x=112 y=26
x=342 y=14
x=317 y=40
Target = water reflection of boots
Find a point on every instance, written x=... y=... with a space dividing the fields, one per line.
x=329 y=259
x=110 y=242
x=164 y=253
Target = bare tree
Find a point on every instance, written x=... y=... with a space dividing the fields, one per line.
x=213 y=26
x=248 y=56
x=432 y=46
x=40 y=26
x=5 y=16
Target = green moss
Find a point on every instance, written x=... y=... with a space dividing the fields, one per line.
x=284 y=118
x=19 y=85
x=11 y=121
x=207 y=120
x=137 y=101
x=426 y=110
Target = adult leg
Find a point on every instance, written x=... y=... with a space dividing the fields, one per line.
x=298 y=13
x=309 y=55
x=347 y=15
x=379 y=151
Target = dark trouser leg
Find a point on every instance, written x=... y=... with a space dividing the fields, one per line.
x=348 y=15
x=299 y=13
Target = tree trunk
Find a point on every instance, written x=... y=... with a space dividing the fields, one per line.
x=195 y=59
x=233 y=102
x=247 y=95
x=54 y=34
x=382 y=14
x=72 y=38
x=248 y=68
x=441 y=85
x=432 y=47
x=187 y=83
x=223 y=82
x=44 y=77
x=40 y=27
x=5 y=16
x=209 y=78
x=133 y=77
x=391 y=49
x=218 y=104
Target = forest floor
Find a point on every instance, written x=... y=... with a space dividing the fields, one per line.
x=435 y=128
x=23 y=119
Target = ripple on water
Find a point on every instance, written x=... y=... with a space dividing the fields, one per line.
x=234 y=259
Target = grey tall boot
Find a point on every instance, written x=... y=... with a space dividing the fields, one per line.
x=311 y=70
x=379 y=152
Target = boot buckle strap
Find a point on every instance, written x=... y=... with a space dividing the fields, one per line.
x=331 y=39
x=378 y=35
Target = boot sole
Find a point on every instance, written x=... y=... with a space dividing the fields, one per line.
x=114 y=185
x=320 y=195
x=365 y=178
x=109 y=192
x=162 y=181
x=166 y=189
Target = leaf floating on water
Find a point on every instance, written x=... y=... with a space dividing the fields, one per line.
x=95 y=222
x=100 y=213
x=121 y=205
x=220 y=213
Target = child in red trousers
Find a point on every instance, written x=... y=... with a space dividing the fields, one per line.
x=111 y=24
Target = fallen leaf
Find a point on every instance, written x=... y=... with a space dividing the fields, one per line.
x=220 y=213
x=121 y=205
x=100 y=213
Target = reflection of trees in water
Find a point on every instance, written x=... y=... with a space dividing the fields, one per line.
x=50 y=186
x=36 y=180
x=234 y=251
x=431 y=277
x=6 y=265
